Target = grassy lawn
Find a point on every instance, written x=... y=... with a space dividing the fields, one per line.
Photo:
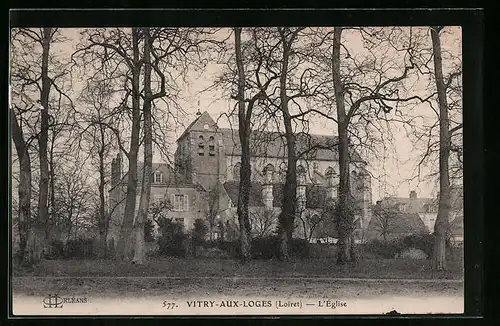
x=320 y=267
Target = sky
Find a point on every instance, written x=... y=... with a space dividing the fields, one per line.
x=396 y=170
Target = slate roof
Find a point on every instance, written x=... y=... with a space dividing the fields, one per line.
x=413 y=205
x=403 y=223
x=170 y=177
x=232 y=190
x=273 y=144
x=418 y=205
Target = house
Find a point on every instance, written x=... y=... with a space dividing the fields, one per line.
x=411 y=212
x=208 y=159
x=391 y=221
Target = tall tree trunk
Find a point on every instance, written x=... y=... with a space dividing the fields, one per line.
x=343 y=216
x=142 y=214
x=102 y=222
x=442 y=220
x=123 y=248
x=245 y=170
x=52 y=223
x=287 y=216
x=40 y=224
x=24 y=191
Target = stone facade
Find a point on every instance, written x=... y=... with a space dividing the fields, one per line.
x=208 y=158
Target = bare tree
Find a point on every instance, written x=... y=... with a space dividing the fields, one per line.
x=263 y=221
x=244 y=116
x=442 y=137
x=311 y=220
x=100 y=139
x=24 y=190
x=73 y=203
x=149 y=97
x=442 y=220
x=247 y=82
x=35 y=72
x=384 y=217
x=381 y=99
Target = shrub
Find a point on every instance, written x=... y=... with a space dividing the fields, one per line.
x=56 y=249
x=200 y=231
x=171 y=241
x=268 y=247
x=265 y=247
x=300 y=248
x=384 y=249
x=423 y=242
x=80 y=249
x=389 y=249
x=149 y=231
x=232 y=248
x=262 y=247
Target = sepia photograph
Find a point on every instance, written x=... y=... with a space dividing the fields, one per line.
x=188 y=171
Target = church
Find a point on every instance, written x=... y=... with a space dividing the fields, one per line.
x=207 y=161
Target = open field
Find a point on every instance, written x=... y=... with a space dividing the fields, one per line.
x=175 y=267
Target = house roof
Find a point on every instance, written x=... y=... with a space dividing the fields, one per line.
x=170 y=177
x=418 y=205
x=401 y=223
x=273 y=144
x=232 y=190
x=413 y=205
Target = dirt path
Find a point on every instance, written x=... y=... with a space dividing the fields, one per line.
x=148 y=295
x=244 y=286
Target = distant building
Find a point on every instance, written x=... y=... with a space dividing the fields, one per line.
x=414 y=213
x=208 y=159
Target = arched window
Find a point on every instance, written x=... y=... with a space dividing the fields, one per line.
x=269 y=173
x=329 y=176
x=361 y=180
x=236 y=171
x=315 y=167
x=211 y=146
x=201 y=146
x=301 y=174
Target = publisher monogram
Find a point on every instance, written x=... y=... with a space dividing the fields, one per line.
x=55 y=301
x=52 y=301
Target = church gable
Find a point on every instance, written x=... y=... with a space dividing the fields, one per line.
x=203 y=123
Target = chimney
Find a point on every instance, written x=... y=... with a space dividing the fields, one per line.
x=413 y=194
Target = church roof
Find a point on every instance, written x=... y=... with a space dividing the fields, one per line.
x=273 y=144
x=200 y=120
